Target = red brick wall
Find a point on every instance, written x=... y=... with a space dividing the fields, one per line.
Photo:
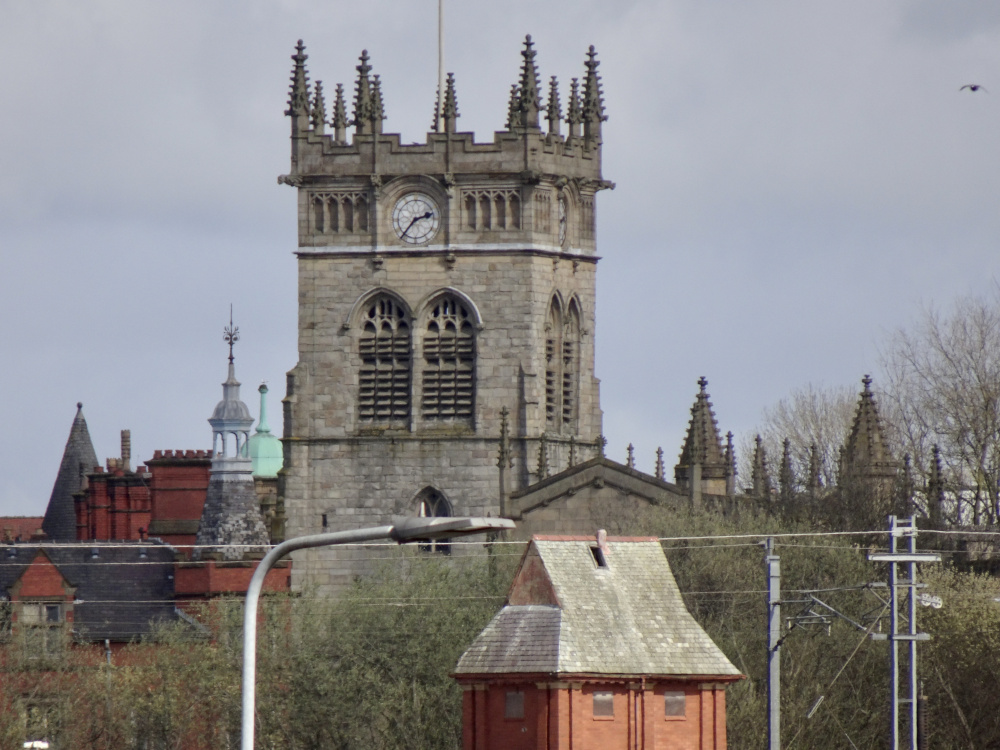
x=560 y=716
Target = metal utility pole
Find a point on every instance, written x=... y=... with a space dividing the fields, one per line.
x=907 y=528
x=772 y=564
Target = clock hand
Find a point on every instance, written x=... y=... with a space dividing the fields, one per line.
x=409 y=226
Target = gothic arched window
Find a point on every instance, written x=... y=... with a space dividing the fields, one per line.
x=449 y=374
x=562 y=366
x=384 y=384
x=432 y=504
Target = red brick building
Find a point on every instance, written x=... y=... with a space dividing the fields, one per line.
x=594 y=650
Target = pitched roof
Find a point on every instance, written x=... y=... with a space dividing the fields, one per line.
x=566 y=615
x=120 y=594
x=78 y=458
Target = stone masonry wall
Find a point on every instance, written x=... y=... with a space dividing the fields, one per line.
x=360 y=473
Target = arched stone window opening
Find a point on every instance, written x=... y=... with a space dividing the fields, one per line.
x=449 y=374
x=562 y=367
x=501 y=212
x=319 y=219
x=571 y=367
x=432 y=504
x=553 y=345
x=384 y=383
x=470 y=211
x=362 y=214
x=348 y=215
x=484 y=209
x=515 y=211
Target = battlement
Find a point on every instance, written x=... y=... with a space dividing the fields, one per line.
x=198 y=455
x=515 y=190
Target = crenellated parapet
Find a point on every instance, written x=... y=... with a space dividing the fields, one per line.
x=530 y=188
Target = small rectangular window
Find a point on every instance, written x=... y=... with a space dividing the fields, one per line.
x=599 y=558
x=674 y=704
x=604 y=704
x=514 y=705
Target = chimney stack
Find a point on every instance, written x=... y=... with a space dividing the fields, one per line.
x=126 y=462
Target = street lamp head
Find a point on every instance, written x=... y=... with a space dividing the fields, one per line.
x=410 y=528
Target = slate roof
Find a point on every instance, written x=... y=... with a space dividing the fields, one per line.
x=120 y=595
x=78 y=459
x=566 y=615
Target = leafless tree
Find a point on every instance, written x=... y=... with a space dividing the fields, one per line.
x=942 y=387
x=810 y=416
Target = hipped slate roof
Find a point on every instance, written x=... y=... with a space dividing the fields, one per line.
x=566 y=615
x=121 y=594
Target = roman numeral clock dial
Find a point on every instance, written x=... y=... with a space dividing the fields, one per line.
x=416 y=218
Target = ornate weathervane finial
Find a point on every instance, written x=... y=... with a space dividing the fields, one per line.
x=231 y=335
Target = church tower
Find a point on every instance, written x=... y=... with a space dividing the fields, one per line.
x=440 y=283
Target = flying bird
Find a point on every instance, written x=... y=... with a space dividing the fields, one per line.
x=973 y=87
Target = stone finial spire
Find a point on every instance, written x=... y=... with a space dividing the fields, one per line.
x=593 y=101
x=339 y=120
x=814 y=481
x=660 y=469
x=298 y=98
x=513 y=105
x=505 y=460
x=378 y=111
x=730 y=465
x=574 y=116
x=78 y=458
x=703 y=444
x=935 y=490
x=553 y=112
x=504 y=455
x=543 y=457
x=866 y=453
x=363 y=106
x=760 y=475
x=630 y=461
x=529 y=101
x=600 y=443
x=318 y=113
x=786 y=479
x=450 y=111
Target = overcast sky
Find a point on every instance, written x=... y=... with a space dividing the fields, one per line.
x=794 y=180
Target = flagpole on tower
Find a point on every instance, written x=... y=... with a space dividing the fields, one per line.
x=440 y=96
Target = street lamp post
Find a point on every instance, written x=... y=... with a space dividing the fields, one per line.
x=402 y=530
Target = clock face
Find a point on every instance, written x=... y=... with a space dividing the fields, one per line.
x=416 y=218
x=562 y=220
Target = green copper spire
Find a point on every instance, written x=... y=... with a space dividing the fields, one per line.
x=265 y=448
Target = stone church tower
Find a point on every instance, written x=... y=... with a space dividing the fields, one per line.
x=442 y=287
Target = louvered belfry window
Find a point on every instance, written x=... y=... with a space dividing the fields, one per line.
x=384 y=393
x=449 y=378
x=562 y=367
